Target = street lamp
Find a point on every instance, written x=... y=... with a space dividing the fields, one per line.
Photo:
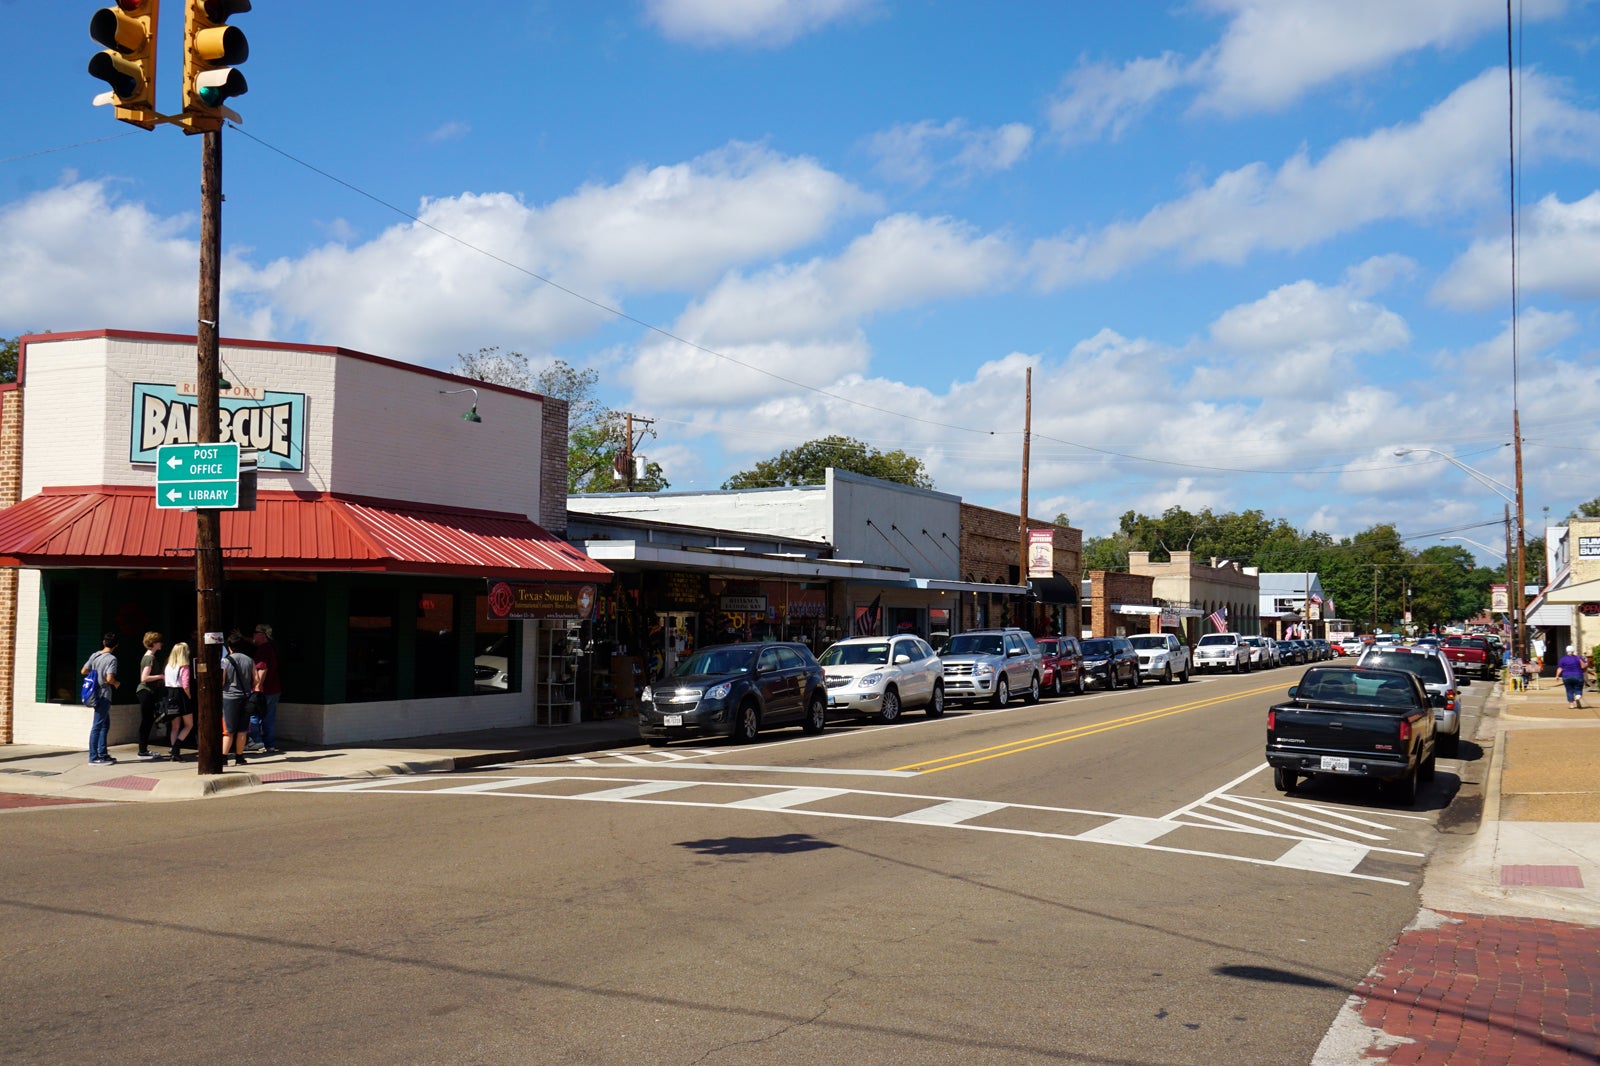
x=1512 y=496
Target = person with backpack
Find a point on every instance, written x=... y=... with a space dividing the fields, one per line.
x=238 y=679
x=151 y=684
x=178 y=697
x=103 y=665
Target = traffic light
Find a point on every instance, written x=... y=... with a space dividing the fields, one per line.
x=210 y=49
x=128 y=65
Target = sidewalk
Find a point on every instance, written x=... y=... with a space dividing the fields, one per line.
x=1502 y=964
x=31 y=776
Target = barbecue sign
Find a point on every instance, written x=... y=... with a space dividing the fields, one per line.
x=273 y=423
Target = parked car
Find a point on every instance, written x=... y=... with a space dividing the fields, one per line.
x=882 y=676
x=491 y=671
x=1263 y=651
x=991 y=664
x=1292 y=652
x=1438 y=677
x=1324 y=649
x=1221 y=651
x=1470 y=656
x=1162 y=656
x=1111 y=661
x=1354 y=721
x=1063 y=665
x=735 y=691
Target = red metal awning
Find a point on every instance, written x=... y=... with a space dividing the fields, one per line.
x=120 y=527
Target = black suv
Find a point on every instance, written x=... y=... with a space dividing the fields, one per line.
x=1111 y=661
x=736 y=690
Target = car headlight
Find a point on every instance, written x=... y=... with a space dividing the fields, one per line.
x=870 y=680
x=719 y=692
x=983 y=669
x=647 y=695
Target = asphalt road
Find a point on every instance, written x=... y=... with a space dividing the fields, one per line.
x=1106 y=879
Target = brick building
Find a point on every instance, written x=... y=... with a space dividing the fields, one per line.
x=990 y=554
x=380 y=513
x=1204 y=588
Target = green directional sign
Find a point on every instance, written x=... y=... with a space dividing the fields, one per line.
x=197 y=475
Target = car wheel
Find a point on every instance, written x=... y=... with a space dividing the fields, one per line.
x=1238 y=666
x=816 y=715
x=1033 y=690
x=1055 y=685
x=747 y=724
x=1081 y=686
x=656 y=742
x=1138 y=676
x=889 y=709
x=1166 y=678
x=935 y=707
x=1428 y=765
x=1111 y=679
x=1284 y=779
x=1185 y=675
x=1404 y=791
x=1002 y=693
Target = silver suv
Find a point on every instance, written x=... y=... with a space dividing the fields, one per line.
x=991 y=664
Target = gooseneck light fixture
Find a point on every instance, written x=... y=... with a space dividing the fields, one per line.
x=472 y=415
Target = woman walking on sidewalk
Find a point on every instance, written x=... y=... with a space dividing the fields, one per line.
x=179 y=677
x=1571 y=668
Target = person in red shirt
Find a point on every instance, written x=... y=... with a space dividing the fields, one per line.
x=270 y=685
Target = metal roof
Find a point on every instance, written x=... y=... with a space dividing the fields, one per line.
x=117 y=526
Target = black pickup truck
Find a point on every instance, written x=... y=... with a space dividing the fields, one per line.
x=1355 y=722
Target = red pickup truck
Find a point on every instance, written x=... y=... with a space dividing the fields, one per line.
x=1470 y=655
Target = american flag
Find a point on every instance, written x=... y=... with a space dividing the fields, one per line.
x=1219 y=618
x=1315 y=598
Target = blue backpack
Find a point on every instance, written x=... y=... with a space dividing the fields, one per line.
x=89 y=691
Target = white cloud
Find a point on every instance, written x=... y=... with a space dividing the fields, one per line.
x=1101 y=101
x=915 y=153
x=760 y=23
x=1450 y=159
x=1274 y=51
x=1559 y=252
x=450 y=131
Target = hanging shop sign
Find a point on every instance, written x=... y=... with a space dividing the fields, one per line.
x=1499 y=598
x=1589 y=547
x=273 y=423
x=676 y=591
x=744 y=604
x=526 y=601
x=1589 y=610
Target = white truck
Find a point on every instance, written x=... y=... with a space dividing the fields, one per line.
x=1222 y=651
x=1162 y=657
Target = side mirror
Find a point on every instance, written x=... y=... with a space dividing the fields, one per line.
x=901 y=658
x=1292 y=690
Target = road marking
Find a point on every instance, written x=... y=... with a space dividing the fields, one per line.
x=1000 y=751
x=951 y=812
x=824 y=771
x=1307 y=854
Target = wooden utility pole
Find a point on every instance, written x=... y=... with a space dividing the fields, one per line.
x=208 y=523
x=1027 y=442
x=1521 y=643
x=627 y=455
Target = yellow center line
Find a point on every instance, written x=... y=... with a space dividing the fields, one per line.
x=967 y=758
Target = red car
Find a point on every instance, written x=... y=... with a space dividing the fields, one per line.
x=1063 y=665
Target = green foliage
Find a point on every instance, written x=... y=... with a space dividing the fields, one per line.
x=807 y=464
x=596 y=435
x=10 y=352
x=1588 y=509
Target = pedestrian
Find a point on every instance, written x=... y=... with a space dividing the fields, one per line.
x=1571 y=668
x=104 y=664
x=152 y=681
x=178 y=697
x=238 y=678
x=269 y=687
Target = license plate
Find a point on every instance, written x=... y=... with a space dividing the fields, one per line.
x=672 y=719
x=1337 y=764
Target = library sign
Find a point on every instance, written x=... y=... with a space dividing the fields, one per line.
x=521 y=601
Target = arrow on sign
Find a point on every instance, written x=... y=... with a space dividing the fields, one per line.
x=174 y=495
x=174 y=462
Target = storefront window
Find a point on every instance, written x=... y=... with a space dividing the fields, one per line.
x=438 y=644
x=494 y=654
x=373 y=647
x=62 y=665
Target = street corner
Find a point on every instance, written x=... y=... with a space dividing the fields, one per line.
x=1462 y=988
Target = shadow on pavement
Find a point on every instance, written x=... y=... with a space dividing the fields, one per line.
x=1272 y=975
x=786 y=844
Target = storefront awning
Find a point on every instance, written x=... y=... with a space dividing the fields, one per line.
x=1582 y=592
x=635 y=555
x=120 y=527
x=1152 y=609
x=1054 y=589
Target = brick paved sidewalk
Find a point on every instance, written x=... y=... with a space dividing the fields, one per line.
x=1477 y=989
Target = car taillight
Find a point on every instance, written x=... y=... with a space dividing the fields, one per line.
x=1450 y=700
x=1272 y=720
x=1405 y=729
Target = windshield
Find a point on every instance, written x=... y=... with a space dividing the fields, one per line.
x=876 y=654
x=1427 y=667
x=1097 y=649
x=1217 y=638
x=975 y=644
x=718 y=661
x=1158 y=643
x=1374 y=691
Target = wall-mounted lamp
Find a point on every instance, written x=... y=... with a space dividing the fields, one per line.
x=472 y=415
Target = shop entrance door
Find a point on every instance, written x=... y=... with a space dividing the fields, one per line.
x=677 y=640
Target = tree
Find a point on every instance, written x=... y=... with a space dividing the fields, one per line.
x=808 y=463
x=596 y=435
x=1589 y=509
x=10 y=352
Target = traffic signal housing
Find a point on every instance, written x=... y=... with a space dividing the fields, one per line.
x=128 y=64
x=210 y=49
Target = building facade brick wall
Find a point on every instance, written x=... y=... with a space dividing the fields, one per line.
x=1110 y=588
x=1206 y=586
x=991 y=544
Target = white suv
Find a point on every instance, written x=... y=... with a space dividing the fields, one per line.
x=1222 y=651
x=883 y=675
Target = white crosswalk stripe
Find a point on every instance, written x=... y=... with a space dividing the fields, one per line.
x=1192 y=831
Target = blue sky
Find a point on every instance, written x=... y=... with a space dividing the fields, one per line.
x=1248 y=248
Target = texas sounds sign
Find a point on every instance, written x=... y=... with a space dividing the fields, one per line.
x=273 y=423
x=526 y=601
